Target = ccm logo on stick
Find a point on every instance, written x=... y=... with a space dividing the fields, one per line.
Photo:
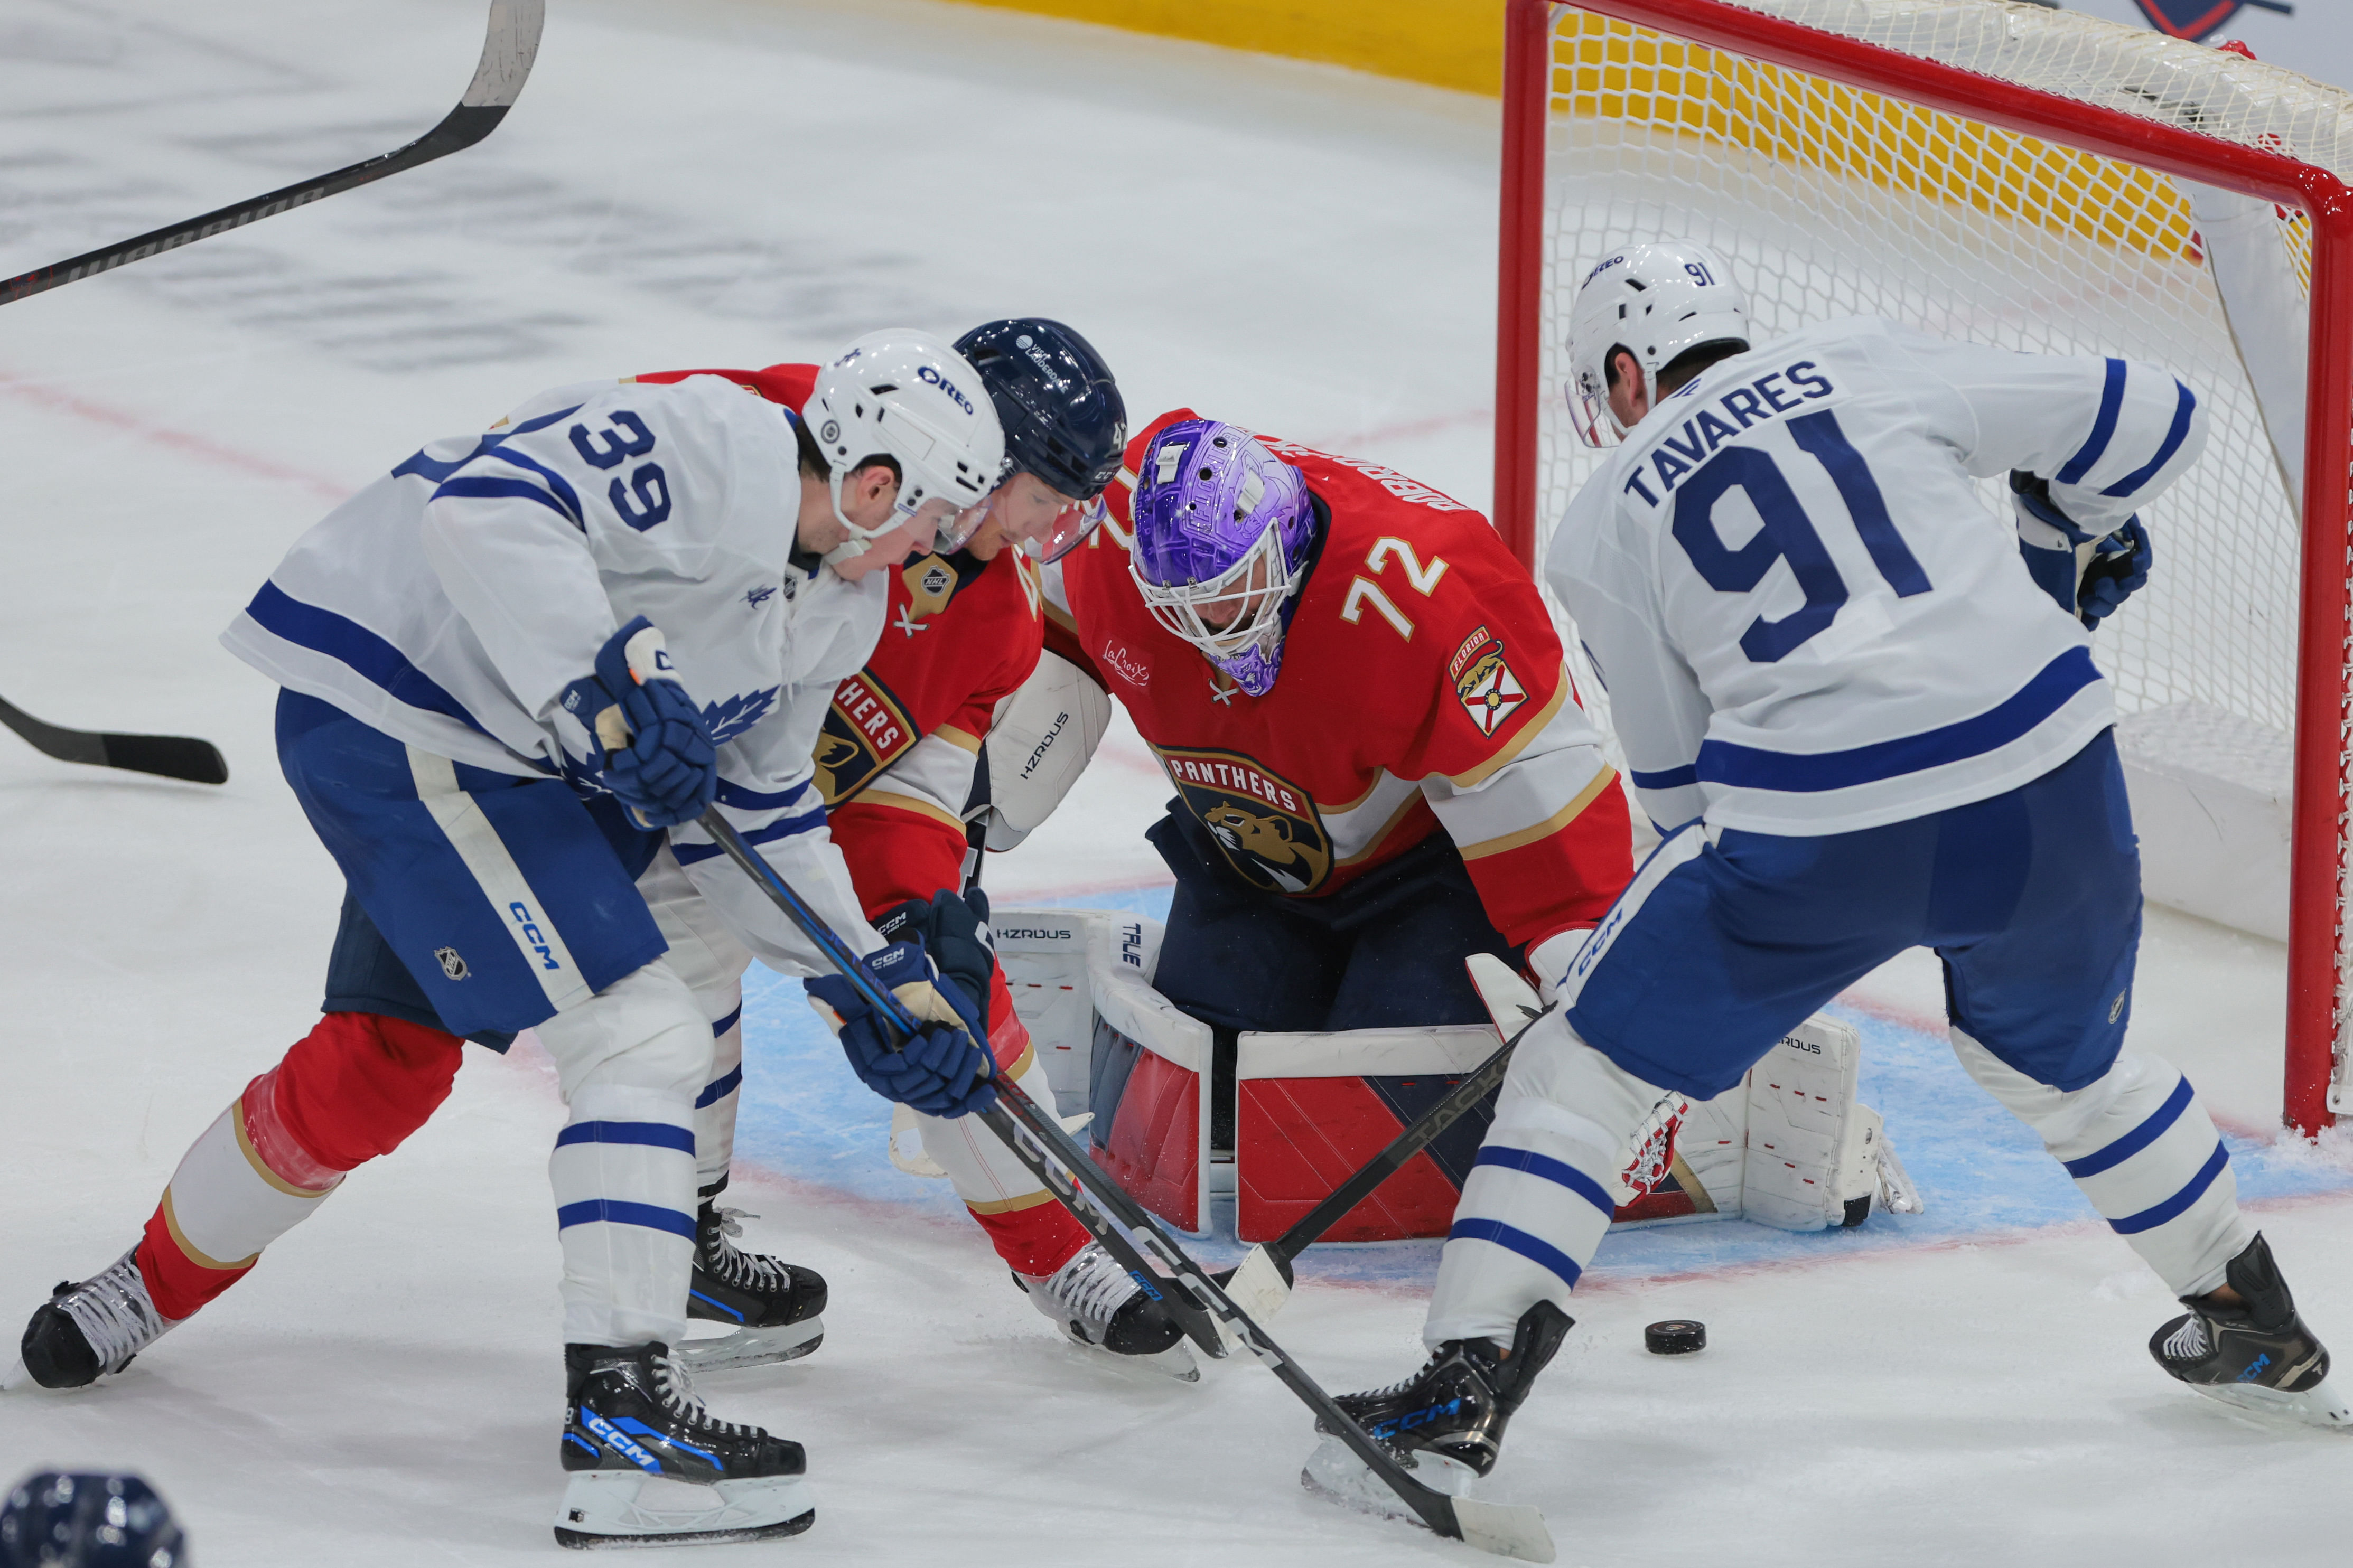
x=533 y=936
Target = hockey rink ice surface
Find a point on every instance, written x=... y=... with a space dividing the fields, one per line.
x=730 y=182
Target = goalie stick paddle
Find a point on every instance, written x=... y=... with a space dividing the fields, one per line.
x=170 y=757
x=1262 y=1280
x=507 y=54
x=1210 y=1317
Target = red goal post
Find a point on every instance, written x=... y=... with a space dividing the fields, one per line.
x=2251 y=154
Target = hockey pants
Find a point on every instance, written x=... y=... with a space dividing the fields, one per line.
x=1725 y=940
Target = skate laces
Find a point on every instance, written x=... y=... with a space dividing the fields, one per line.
x=2188 y=1343
x=1092 y=1285
x=677 y=1391
x=114 y=1312
x=746 y=1270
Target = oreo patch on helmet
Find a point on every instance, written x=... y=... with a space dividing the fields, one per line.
x=1266 y=825
x=865 y=732
x=1490 y=692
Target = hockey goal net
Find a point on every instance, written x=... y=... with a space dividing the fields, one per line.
x=2023 y=177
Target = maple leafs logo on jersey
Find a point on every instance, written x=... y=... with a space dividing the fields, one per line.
x=730 y=717
x=1490 y=692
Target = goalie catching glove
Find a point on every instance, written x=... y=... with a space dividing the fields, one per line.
x=944 y=1070
x=2088 y=577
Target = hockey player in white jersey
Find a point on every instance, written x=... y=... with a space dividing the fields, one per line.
x=445 y=642
x=1862 y=726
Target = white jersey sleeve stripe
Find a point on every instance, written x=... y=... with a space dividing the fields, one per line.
x=487 y=487
x=2185 y=406
x=2104 y=427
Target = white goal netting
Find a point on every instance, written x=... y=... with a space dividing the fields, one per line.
x=1832 y=201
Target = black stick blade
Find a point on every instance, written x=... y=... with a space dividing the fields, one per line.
x=168 y=756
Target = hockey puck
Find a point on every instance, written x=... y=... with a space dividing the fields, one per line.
x=1676 y=1336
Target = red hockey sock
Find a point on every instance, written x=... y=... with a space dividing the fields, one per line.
x=355 y=1088
x=1037 y=1240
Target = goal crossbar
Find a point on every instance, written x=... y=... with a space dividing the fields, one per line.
x=2324 y=718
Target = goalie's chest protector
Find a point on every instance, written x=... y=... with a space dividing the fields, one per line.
x=1419 y=647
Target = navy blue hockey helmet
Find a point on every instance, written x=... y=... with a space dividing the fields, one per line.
x=1061 y=411
x=88 y=1521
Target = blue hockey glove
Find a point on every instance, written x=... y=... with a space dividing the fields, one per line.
x=2086 y=576
x=2118 y=567
x=943 y=1071
x=662 y=764
x=954 y=931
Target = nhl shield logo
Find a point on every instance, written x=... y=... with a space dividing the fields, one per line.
x=1490 y=692
x=1266 y=826
x=451 y=965
x=931 y=584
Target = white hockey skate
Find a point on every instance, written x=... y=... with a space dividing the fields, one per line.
x=1103 y=1307
x=85 y=1332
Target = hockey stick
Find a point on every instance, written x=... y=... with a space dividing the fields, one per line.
x=1262 y=1280
x=1210 y=1317
x=171 y=756
x=507 y=53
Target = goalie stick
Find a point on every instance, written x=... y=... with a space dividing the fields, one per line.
x=508 y=48
x=171 y=756
x=507 y=52
x=1210 y=1317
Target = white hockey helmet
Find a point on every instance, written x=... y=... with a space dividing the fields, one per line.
x=1655 y=302
x=907 y=396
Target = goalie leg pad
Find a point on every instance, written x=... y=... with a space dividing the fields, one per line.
x=2143 y=1150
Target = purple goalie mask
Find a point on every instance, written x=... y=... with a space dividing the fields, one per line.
x=1222 y=530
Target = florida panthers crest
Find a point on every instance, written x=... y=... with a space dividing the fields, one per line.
x=1491 y=693
x=1265 y=824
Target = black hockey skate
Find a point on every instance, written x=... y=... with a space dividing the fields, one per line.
x=1447 y=1421
x=86 y=1330
x=2258 y=1356
x=650 y=1466
x=1101 y=1305
x=774 y=1307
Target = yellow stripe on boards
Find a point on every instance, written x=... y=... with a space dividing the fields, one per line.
x=1456 y=44
x=1607 y=70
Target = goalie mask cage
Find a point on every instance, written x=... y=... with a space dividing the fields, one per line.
x=2005 y=174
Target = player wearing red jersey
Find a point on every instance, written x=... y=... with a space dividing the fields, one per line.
x=1417 y=785
x=899 y=764
x=379 y=1063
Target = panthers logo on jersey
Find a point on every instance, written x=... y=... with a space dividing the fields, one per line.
x=866 y=731
x=1265 y=824
x=1490 y=692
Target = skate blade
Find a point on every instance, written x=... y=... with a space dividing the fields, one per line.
x=1177 y=1361
x=2320 y=1407
x=17 y=1376
x=752 y=1347
x=605 y=1508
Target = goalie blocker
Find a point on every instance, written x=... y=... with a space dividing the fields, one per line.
x=1790 y=1146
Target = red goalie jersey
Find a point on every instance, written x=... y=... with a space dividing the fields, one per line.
x=1422 y=688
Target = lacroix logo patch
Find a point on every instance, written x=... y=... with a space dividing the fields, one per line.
x=1266 y=825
